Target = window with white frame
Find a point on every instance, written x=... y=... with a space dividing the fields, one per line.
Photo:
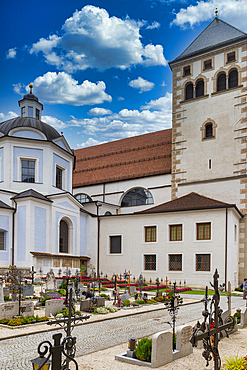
x=59 y=177
x=150 y=234
x=175 y=232
x=175 y=262
x=3 y=235
x=27 y=170
x=115 y=242
x=203 y=262
x=150 y=262
x=203 y=231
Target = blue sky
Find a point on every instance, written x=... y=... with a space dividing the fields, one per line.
x=100 y=67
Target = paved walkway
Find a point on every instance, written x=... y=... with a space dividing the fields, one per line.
x=100 y=334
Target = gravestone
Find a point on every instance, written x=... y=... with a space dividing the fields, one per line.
x=124 y=297
x=29 y=311
x=50 y=280
x=183 y=345
x=52 y=294
x=27 y=290
x=100 y=301
x=85 y=304
x=1 y=293
x=52 y=306
x=58 y=283
x=243 y=317
x=5 y=291
x=161 y=349
x=9 y=310
x=132 y=289
x=37 y=280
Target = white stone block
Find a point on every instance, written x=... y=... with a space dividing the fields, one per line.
x=52 y=306
x=244 y=317
x=161 y=349
x=9 y=310
x=183 y=345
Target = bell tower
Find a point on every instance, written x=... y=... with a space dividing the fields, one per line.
x=30 y=105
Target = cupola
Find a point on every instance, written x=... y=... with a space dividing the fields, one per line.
x=30 y=106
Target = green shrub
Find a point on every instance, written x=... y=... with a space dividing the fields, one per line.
x=126 y=303
x=43 y=299
x=63 y=285
x=103 y=295
x=62 y=292
x=144 y=349
x=235 y=363
x=7 y=298
x=238 y=289
x=140 y=301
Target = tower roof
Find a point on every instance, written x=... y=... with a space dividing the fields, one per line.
x=217 y=34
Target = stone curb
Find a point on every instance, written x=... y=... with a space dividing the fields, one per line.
x=95 y=319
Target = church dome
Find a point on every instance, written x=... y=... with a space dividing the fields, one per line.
x=31 y=123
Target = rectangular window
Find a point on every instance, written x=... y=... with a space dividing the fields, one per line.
x=150 y=233
x=175 y=262
x=231 y=57
x=207 y=64
x=27 y=171
x=150 y=262
x=203 y=262
x=203 y=231
x=235 y=233
x=116 y=244
x=30 y=111
x=37 y=114
x=2 y=241
x=23 y=111
x=187 y=71
x=59 y=177
x=175 y=233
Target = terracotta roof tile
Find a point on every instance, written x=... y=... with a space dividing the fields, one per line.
x=134 y=157
x=189 y=202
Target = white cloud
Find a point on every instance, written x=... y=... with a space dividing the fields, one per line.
x=11 y=53
x=141 y=84
x=153 y=25
x=19 y=88
x=61 y=88
x=93 y=39
x=231 y=11
x=99 y=111
x=120 y=98
x=9 y=115
x=90 y=142
x=54 y=122
x=154 y=116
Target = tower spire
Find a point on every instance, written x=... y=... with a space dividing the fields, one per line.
x=216 y=13
x=31 y=87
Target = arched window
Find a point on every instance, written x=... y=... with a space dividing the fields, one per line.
x=108 y=213
x=208 y=130
x=221 y=81
x=189 y=91
x=137 y=197
x=83 y=198
x=233 y=78
x=199 y=88
x=64 y=237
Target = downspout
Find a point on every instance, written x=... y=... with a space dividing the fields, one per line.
x=226 y=249
x=13 y=235
x=98 y=238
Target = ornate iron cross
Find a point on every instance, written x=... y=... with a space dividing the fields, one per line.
x=210 y=330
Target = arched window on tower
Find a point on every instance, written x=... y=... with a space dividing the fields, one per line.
x=137 y=197
x=189 y=91
x=63 y=237
x=221 y=81
x=199 y=88
x=233 y=78
x=208 y=130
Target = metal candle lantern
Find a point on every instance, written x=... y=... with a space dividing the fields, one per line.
x=132 y=344
x=37 y=363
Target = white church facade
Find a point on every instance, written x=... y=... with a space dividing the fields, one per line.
x=169 y=203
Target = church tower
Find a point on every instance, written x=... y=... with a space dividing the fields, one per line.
x=209 y=128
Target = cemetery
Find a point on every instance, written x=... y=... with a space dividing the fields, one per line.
x=59 y=301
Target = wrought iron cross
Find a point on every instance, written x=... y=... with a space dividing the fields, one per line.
x=32 y=272
x=210 y=331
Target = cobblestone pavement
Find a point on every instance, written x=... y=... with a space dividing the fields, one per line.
x=16 y=353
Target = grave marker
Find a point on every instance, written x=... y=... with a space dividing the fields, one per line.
x=1 y=293
x=183 y=344
x=52 y=306
x=161 y=349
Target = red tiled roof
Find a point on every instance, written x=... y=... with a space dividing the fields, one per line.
x=130 y=158
x=189 y=202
